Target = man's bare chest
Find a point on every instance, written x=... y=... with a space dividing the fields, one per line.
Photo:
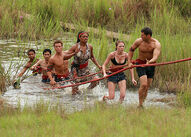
x=58 y=62
x=146 y=48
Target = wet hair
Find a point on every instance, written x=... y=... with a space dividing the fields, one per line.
x=117 y=43
x=147 y=31
x=30 y=50
x=46 y=50
x=79 y=35
x=58 y=41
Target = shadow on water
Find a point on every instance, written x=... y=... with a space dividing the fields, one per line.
x=32 y=91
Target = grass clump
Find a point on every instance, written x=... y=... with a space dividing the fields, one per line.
x=101 y=120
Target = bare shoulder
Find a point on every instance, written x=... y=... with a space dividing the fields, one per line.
x=126 y=54
x=112 y=54
x=157 y=43
x=90 y=46
x=138 y=41
x=72 y=48
x=51 y=60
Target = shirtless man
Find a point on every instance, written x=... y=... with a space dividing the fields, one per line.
x=43 y=64
x=32 y=60
x=149 y=51
x=59 y=63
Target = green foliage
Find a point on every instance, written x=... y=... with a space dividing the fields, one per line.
x=101 y=120
x=42 y=18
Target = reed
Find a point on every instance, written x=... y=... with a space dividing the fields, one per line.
x=2 y=80
x=39 y=19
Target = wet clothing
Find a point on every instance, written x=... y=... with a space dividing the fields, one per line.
x=58 y=78
x=45 y=79
x=117 y=77
x=38 y=71
x=149 y=71
x=116 y=63
x=80 y=63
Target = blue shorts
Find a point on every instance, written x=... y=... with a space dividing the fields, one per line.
x=117 y=77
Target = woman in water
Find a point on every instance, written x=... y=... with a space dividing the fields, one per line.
x=79 y=66
x=117 y=59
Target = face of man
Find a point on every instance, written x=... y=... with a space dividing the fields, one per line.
x=58 y=47
x=145 y=37
x=47 y=55
x=84 y=38
x=31 y=55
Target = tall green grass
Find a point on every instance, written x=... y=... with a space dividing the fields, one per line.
x=42 y=18
x=101 y=120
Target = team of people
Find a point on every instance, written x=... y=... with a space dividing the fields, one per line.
x=55 y=68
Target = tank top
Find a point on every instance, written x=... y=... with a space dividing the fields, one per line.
x=80 y=57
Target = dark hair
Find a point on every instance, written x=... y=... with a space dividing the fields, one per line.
x=47 y=50
x=30 y=50
x=146 y=31
x=58 y=41
x=78 y=36
x=117 y=43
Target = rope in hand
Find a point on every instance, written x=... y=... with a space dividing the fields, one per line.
x=91 y=74
x=133 y=66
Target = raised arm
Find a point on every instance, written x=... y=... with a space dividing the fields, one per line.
x=93 y=58
x=132 y=49
x=156 y=53
x=71 y=52
x=105 y=64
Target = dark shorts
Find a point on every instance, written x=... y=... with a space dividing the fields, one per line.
x=148 y=71
x=117 y=77
x=45 y=80
x=58 y=79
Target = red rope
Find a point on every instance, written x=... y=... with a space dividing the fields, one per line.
x=133 y=66
x=90 y=74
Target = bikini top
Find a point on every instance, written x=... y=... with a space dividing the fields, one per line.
x=115 y=62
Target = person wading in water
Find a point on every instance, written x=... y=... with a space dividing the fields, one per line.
x=117 y=59
x=32 y=60
x=79 y=66
x=59 y=63
x=149 y=51
x=43 y=64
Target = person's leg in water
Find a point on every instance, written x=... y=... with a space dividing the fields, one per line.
x=93 y=84
x=111 y=88
x=143 y=90
x=75 y=89
x=122 y=87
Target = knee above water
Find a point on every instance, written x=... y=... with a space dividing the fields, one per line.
x=144 y=86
